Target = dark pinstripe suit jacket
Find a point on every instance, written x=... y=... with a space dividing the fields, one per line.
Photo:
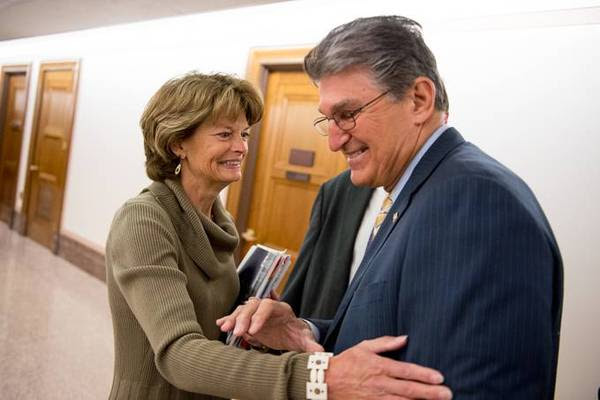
x=470 y=270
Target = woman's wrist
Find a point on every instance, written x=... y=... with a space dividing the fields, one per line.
x=316 y=387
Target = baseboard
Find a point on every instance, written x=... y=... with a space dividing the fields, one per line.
x=82 y=254
x=19 y=222
x=6 y=215
x=72 y=248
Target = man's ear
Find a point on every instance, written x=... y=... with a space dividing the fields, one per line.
x=424 y=99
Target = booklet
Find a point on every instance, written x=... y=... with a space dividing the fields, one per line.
x=260 y=272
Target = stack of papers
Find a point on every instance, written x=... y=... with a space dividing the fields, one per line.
x=260 y=272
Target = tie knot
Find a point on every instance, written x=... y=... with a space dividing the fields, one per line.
x=387 y=204
x=385 y=208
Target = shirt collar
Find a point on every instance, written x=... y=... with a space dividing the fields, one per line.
x=413 y=163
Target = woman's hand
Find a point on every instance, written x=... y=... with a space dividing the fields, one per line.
x=357 y=373
x=361 y=373
x=271 y=323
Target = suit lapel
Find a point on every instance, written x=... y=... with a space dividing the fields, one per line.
x=431 y=159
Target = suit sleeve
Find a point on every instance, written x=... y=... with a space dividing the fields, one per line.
x=322 y=326
x=143 y=252
x=294 y=289
x=476 y=291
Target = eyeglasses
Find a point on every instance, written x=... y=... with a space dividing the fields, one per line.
x=345 y=120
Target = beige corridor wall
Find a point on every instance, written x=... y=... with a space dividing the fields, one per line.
x=523 y=85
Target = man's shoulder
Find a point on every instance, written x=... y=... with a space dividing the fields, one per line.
x=470 y=173
x=471 y=163
x=341 y=180
x=342 y=184
x=339 y=194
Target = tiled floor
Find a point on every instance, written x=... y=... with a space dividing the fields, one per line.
x=55 y=328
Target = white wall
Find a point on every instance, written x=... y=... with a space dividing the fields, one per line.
x=523 y=84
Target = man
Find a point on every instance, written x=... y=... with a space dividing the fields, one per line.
x=342 y=219
x=465 y=263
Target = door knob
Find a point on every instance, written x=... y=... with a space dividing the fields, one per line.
x=34 y=167
x=249 y=235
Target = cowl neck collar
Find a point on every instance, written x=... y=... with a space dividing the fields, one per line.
x=196 y=230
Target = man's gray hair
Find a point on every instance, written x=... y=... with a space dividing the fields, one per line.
x=391 y=47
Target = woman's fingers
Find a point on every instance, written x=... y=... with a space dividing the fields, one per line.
x=239 y=319
x=360 y=372
x=402 y=370
x=414 y=390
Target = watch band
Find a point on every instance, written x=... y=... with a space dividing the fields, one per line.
x=316 y=388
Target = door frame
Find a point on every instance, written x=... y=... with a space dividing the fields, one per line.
x=48 y=66
x=261 y=62
x=5 y=72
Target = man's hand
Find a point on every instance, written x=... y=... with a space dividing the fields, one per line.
x=271 y=323
x=357 y=373
x=360 y=373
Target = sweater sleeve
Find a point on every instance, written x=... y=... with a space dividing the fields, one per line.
x=143 y=251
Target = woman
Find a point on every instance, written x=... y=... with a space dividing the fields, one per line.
x=170 y=268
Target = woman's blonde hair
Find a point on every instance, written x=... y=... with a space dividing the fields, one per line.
x=184 y=103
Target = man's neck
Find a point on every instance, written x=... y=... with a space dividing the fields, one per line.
x=428 y=128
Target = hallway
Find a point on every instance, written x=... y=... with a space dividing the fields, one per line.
x=55 y=328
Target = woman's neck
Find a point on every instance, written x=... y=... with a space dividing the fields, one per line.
x=201 y=194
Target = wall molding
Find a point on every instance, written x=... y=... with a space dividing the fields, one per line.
x=82 y=254
x=526 y=20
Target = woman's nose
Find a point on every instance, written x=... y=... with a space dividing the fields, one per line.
x=239 y=144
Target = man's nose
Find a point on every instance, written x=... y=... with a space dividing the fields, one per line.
x=337 y=137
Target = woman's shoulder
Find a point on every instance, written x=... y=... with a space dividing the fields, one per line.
x=140 y=221
x=143 y=209
x=145 y=201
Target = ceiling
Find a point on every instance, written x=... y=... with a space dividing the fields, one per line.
x=26 y=18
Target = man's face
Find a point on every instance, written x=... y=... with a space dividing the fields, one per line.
x=385 y=136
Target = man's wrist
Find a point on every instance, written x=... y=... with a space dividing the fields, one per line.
x=313 y=329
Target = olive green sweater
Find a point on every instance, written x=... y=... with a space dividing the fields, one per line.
x=170 y=275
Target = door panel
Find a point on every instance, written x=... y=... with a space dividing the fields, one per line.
x=11 y=138
x=50 y=141
x=292 y=162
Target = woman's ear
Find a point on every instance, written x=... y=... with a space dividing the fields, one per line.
x=177 y=149
x=424 y=98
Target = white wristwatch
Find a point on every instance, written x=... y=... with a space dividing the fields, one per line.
x=316 y=388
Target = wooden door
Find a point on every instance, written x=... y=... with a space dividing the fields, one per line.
x=293 y=160
x=14 y=100
x=50 y=140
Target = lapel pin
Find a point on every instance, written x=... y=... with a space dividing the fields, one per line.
x=395 y=217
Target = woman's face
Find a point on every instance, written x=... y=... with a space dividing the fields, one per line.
x=213 y=154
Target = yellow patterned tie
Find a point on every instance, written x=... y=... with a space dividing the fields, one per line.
x=383 y=212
